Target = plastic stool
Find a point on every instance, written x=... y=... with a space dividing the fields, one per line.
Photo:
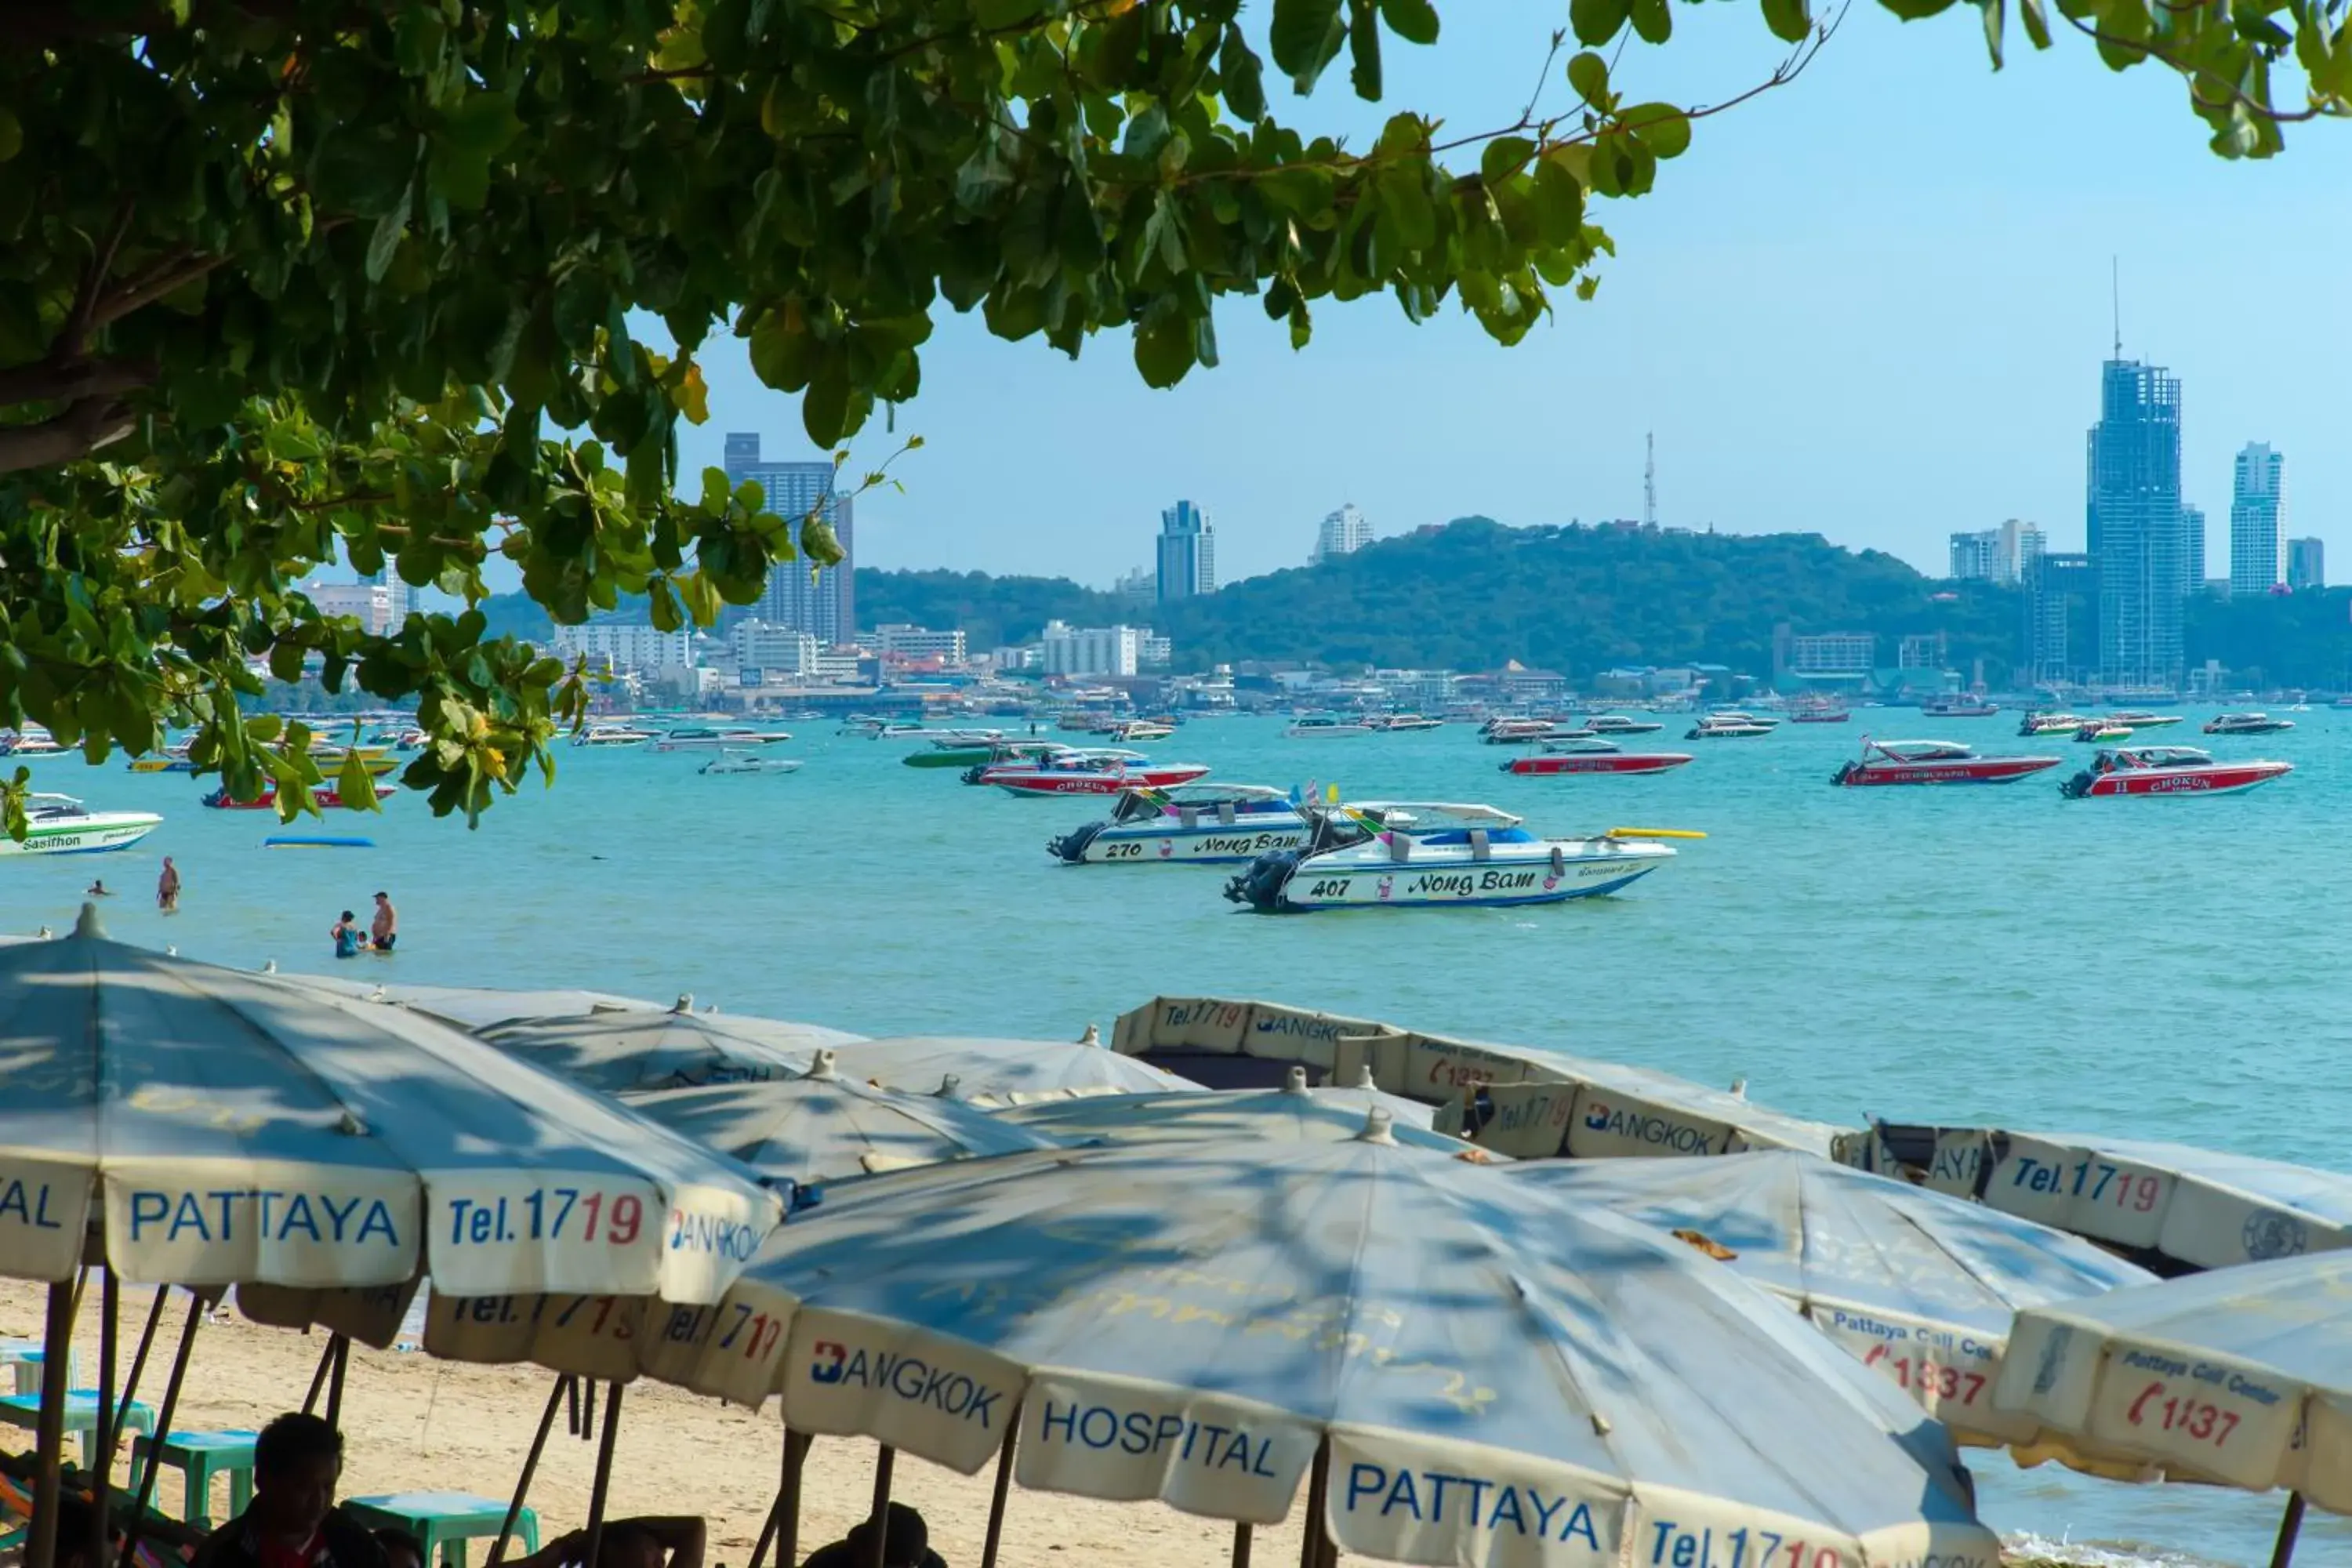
x=25 y=1358
x=23 y=1410
x=442 y=1521
x=201 y=1458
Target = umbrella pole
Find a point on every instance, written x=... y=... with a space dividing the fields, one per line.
x=776 y=1510
x=339 y=1355
x=109 y=1333
x=146 y=1344
x=1003 y=1487
x=1310 y=1533
x=788 y=1532
x=2289 y=1528
x=1240 y=1546
x=529 y=1467
x=318 y=1378
x=878 y=1522
x=604 y=1481
x=56 y=1343
x=163 y=1429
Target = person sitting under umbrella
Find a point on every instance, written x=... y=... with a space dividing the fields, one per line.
x=675 y=1541
x=906 y=1544
x=293 y=1522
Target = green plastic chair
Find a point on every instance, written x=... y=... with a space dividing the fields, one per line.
x=442 y=1521
x=201 y=1458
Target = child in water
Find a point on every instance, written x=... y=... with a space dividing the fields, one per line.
x=347 y=937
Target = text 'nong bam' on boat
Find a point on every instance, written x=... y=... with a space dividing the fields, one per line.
x=1193 y=824
x=1513 y=1099
x=2168 y=770
x=1101 y=771
x=1594 y=757
x=1405 y=854
x=1933 y=763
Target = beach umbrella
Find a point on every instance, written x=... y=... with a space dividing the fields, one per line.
x=1004 y=1072
x=639 y=1049
x=215 y=1127
x=470 y=1006
x=1920 y=1285
x=2240 y=1375
x=1291 y=1113
x=1464 y=1371
x=826 y=1126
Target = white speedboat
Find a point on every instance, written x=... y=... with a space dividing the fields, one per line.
x=612 y=735
x=60 y=824
x=1134 y=732
x=1193 y=824
x=2247 y=724
x=2049 y=724
x=2135 y=719
x=1426 y=853
x=1727 y=727
x=1508 y=732
x=1104 y=770
x=718 y=738
x=29 y=744
x=1324 y=726
x=730 y=761
x=1607 y=724
x=1400 y=723
x=1741 y=715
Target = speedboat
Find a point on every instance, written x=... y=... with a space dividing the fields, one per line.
x=1514 y=731
x=60 y=824
x=29 y=744
x=1606 y=724
x=1933 y=763
x=1957 y=708
x=326 y=798
x=1105 y=772
x=2091 y=731
x=1416 y=853
x=2247 y=724
x=1324 y=726
x=946 y=753
x=612 y=735
x=1194 y=823
x=163 y=764
x=1134 y=731
x=1740 y=716
x=1401 y=723
x=730 y=760
x=2134 y=719
x=2049 y=723
x=330 y=759
x=2167 y=770
x=1590 y=756
x=701 y=738
x=1727 y=727
x=1818 y=716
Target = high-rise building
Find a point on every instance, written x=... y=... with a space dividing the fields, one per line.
x=823 y=602
x=1996 y=554
x=1973 y=555
x=2139 y=539
x=2021 y=544
x=398 y=602
x=1343 y=532
x=2255 y=502
x=2062 y=600
x=1188 y=552
x=2192 y=518
x=1091 y=650
x=626 y=646
x=1140 y=587
x=2307 y=564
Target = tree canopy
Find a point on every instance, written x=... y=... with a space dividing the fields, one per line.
x=285 y=283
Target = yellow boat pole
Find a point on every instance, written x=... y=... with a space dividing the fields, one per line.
x=1654 y=833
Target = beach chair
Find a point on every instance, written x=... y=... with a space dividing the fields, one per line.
x=201 y=1458
x=442 y=1521
x=23 y=1410
x=25 y=1359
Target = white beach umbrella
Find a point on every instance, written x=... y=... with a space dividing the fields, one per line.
x=1920 y=1285
x=470 y=1006
x=1291 y=1113
x=826 y=1126
x=641 y=1049
x=2241 y=1375
x=1487 y=1375
x=229 y=1130
x=1004 y=1072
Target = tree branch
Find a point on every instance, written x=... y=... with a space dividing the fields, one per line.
x=157 y=281
x=52 y=382
x=70 y=437
x=75 y=337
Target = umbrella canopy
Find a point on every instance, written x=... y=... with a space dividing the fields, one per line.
x=2241 y=1375
x=1501 y=1378
x=1292 y=1113
x=824 y=1126
x=470 y=1006
x=234 y=1130
x=1004 y=1072
x=1920 y=1284
x=641 y=1049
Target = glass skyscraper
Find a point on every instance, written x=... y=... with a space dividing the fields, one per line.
x=1188 y=552
x=2255 y=507
x=2137 y=537
x=824 y=603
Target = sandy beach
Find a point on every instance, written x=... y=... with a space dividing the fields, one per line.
x=412 y=1423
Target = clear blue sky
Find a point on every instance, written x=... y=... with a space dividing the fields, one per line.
x=1872 y=304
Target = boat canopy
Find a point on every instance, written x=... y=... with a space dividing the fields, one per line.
x=50 y=805
x=2165 y=757
x=1921 y=750
x=1431 y=814
x=1585 y=745
x=1211 y=793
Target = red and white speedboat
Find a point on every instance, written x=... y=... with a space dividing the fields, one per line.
x=324 y=797
x=1594 y=757
x=1100 y=771
x=2167 y=770
x=1933 y=763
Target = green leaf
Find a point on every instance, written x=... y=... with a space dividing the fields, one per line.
x=1503 y=157
x=1364 y=46
x=354 y=784
x=480 y=125
x=1790 y=20
x=386 y=240
x=1239 y=73
x=1588 y=74
x=1163 y=347
x=1664 y=128
x=783 y=354
x=2035 y=14
x=1414 y=21
x=661 y=606
x=1301 y=34
x=824 y=407
x=819 y=543
x=1653 y=21
x=1596 y=22
x=1996 y=20
x=12 y=134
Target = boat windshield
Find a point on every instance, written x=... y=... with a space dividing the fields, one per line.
x=1420 y=818
x=52 y=806
x=1923 y=750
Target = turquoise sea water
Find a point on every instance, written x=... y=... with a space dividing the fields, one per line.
x=2155 y=968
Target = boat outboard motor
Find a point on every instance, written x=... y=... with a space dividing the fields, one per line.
x=974 y=774
x=2079 y=786
x=1262 y=885
x=1072 y=846
x=1845 y=771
